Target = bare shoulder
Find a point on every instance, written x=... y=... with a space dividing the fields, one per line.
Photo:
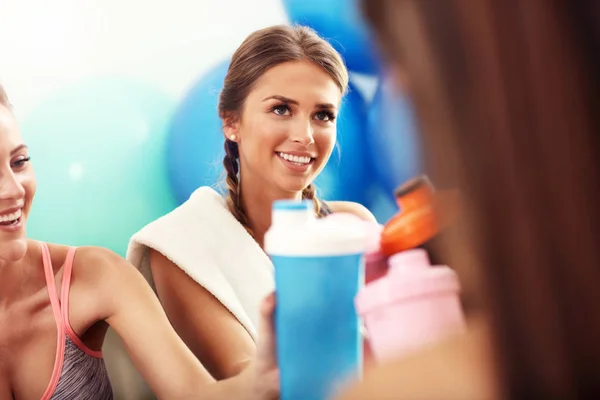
x=102 y=269
x=88 y=260
x=353 y=208
x=92 y=259
x=107 y=278
x=97 y=254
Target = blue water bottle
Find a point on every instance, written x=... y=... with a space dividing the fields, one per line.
x=319 y=269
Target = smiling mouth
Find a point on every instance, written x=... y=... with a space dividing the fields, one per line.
x=298 y=160
x=11 y=219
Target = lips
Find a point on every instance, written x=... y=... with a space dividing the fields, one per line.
x=296 y=163
x=303 y=159
x=10 y=217
x=11 y=221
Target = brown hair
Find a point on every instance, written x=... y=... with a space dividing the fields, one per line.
x=261 y=51
x=518 y=86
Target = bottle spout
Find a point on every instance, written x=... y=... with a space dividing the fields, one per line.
x=414 y=194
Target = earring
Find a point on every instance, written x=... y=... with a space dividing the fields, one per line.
x=232 y=138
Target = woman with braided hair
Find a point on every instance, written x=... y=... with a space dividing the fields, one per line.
x=205 y=261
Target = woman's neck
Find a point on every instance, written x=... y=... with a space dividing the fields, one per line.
x=15 y=279
x=258 y=202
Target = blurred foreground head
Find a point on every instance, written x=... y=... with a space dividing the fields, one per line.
x=507 y=95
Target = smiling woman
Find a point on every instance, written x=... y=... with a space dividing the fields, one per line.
x=17 y=189
x=278 y=106
x=284 y=138
x=10 y=219
x=283 y=102
x=58 y=301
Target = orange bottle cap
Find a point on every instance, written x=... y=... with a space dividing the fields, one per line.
x=423 y=214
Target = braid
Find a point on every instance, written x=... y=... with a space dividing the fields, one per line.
x=234 y=198
x=310 y=193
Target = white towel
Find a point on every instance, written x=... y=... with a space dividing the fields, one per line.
x=204 y=239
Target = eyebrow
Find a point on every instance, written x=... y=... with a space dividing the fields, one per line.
x=287 y=100
x=18 y=148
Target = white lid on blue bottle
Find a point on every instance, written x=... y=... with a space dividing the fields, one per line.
x=292 y=205
x=296 y=231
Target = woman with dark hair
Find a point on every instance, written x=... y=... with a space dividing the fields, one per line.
x=507 y=96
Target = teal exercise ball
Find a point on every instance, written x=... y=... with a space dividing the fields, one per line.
x=98 y=151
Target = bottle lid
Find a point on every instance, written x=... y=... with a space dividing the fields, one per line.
x=423 y=214
x=295 y=231
x=292 y=205
x=291 y=212
x=372 y=230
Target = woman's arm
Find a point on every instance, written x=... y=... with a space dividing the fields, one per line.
x=118 y=293
x=211 y=332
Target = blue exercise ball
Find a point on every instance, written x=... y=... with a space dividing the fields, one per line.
x=382 y=205
x=342 y=24
x=98 y=151
x=392 y=138
x=195 y=145
x=348 y=173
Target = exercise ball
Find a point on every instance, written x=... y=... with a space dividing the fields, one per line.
x=392 y=138
x=98 y=151
x=348 y=174
x=341 y=23
x=195 y=140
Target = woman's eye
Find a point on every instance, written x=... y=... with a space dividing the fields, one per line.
x=281 y=110
x=21 y=162
x=325 y=116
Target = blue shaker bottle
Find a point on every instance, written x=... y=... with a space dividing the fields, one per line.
x=319 y=270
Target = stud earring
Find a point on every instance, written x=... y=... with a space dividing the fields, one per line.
x=232 y=138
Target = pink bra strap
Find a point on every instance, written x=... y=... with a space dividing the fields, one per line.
x=60 y=341
x=65 y=290
x=49 y=272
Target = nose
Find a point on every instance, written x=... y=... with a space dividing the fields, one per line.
x=10 y=186
x=303 y=133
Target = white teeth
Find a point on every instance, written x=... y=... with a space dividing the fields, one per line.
x=295 y=159
x=11 y=216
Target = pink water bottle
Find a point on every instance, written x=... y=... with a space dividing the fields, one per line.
x=376 y=263
x=415 y=304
